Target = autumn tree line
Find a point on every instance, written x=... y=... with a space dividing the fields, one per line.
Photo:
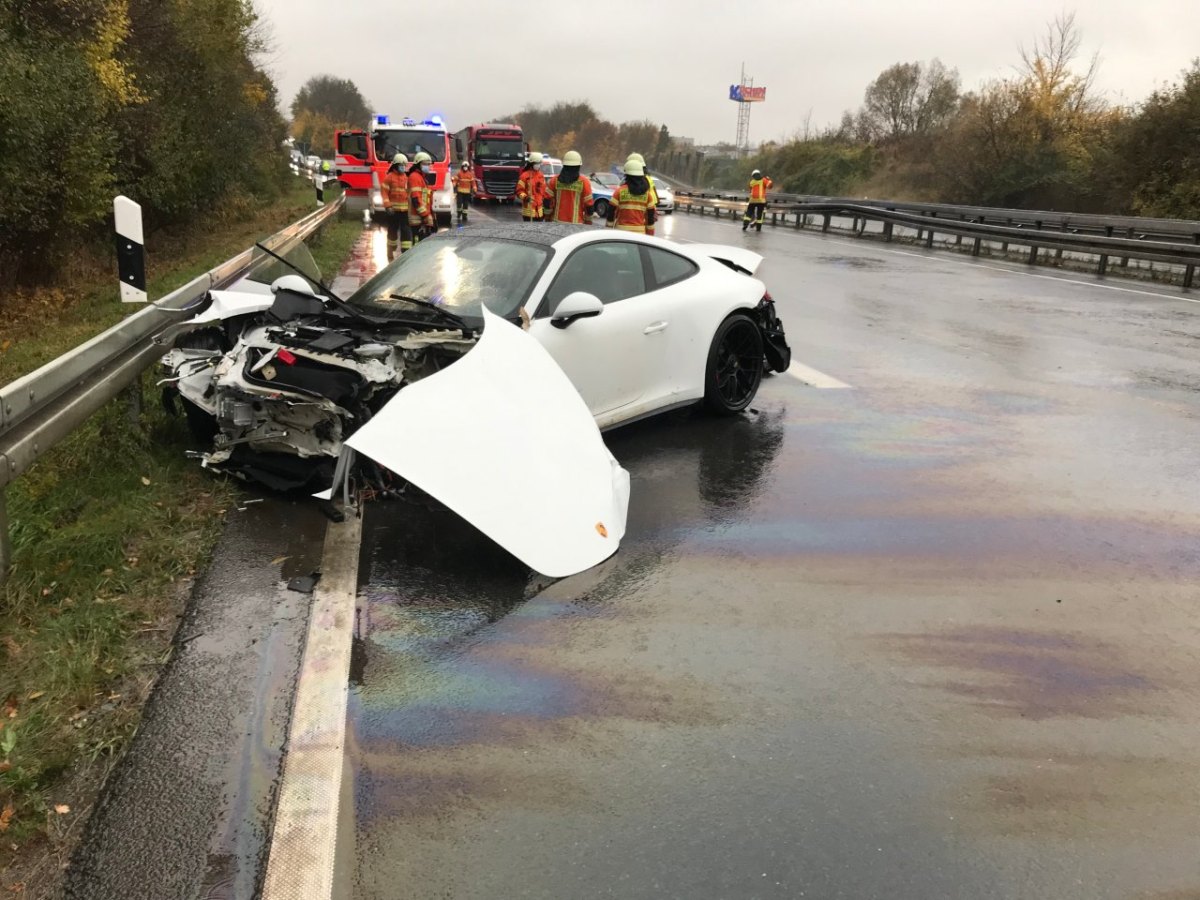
x=161 y=100
x=1043 y=138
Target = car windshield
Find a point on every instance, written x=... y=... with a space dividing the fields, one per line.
x=392 y=141
x=606 y=179
x=458 y=273
x=500 y=149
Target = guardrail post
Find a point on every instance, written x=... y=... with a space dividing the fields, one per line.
x=773 y=219
x=1189 y=271
x=1004 y=244
x=929 y=234
x=1058 y=252
x=958 y=237
x=1102 y=266
x=5 y=541
x=825 y=227
x=1033 y=254
x=1125 y=259
x=887 y=231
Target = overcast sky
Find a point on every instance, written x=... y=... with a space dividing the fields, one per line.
x=672 y=61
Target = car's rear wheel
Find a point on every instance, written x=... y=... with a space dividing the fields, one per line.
x=735 y=366
x=601 y=208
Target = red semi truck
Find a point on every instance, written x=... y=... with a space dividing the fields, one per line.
x=495 y=153
x=363 y=152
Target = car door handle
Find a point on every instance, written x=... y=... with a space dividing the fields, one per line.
x=655 y=328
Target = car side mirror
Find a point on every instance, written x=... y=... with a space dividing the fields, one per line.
x=576 y=305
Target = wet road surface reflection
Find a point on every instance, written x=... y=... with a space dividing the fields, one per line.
x=929 y=637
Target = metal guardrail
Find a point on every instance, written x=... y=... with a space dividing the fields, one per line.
x=1171 y=241
x=42 y=408
x=1139 y=227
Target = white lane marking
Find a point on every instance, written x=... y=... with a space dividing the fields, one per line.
x=981 y=265
x=812 y=377
x=301 y=857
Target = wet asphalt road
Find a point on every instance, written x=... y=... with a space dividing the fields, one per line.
x=187 y=812
x=931 y=636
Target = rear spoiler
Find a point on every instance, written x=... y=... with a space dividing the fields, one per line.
x=737 y=258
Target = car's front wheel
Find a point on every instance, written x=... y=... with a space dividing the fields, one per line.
x=601 y=209
x=735 y=366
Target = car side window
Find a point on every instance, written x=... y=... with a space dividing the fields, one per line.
x=668 y=268
x=612 y=270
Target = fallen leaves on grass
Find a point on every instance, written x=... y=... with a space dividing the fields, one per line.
x=6 y=815
x=61 y=808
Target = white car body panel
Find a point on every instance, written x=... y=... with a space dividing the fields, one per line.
x=504 y=440
x=739 y=256
x=248 y=298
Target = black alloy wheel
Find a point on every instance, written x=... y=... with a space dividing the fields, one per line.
x=735 y=366
x=601 y=208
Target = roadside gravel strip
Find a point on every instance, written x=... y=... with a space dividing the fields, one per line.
x=301 y=861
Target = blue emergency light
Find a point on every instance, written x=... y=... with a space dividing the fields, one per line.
x=382 y=120
x=435 y=120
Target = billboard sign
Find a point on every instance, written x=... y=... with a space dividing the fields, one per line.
x=745 y=94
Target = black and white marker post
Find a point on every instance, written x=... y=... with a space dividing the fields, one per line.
x=131 y=250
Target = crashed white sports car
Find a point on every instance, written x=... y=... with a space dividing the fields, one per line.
x=446 y=371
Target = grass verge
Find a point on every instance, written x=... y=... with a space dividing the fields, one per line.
x=107 y=529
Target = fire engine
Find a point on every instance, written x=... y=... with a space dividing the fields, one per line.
x=495 y=154
x=362 y=153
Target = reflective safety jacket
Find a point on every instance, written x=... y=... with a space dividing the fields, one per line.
x=572 y=202
x=759 y=188
x=464 y=181
x=632 y=212
x=395 y=191
x=531 y=191
x=420 y=198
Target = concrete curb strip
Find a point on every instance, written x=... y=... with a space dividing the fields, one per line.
x=300 y=865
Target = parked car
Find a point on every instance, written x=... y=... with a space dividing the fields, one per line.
x=603 y=185
x=287 y=383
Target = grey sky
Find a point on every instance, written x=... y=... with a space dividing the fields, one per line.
x=673 y=60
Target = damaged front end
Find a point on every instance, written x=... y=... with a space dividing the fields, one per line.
x=277 y=393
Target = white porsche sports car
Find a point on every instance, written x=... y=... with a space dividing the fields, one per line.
x=445 y=371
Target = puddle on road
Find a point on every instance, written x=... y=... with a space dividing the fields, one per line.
x=853 y=262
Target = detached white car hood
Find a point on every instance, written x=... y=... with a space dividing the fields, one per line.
x=503 y=438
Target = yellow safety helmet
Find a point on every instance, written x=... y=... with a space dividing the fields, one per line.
x=399 y=160
x=535 y=158
x=422 y=157
x=572 y=158
x=633 y=167
x=637 y=158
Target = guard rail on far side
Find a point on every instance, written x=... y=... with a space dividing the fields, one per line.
x=1175 y=242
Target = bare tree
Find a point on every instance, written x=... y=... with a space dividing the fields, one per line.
x=910 y=98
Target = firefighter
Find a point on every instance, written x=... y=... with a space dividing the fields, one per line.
x=395 y=204
x=632 y=207
x=420 y=196
x=637 y=157
x=570 y=193
x=464 y=182
x=531 y=189
x=756 y=209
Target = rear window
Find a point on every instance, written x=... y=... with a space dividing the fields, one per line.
x=669 y=268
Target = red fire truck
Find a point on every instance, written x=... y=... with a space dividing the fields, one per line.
x=363 y=152
x=495 y=154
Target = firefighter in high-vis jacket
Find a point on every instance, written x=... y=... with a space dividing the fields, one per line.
x=395 y=203
x=570 y=193
x=757 y=207
x=420 y=196
x=531 y=189
x=637 y=157
x=464 y=183
x=632 y=207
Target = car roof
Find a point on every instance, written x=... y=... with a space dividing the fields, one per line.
x=545 y=233
x=560 y=236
